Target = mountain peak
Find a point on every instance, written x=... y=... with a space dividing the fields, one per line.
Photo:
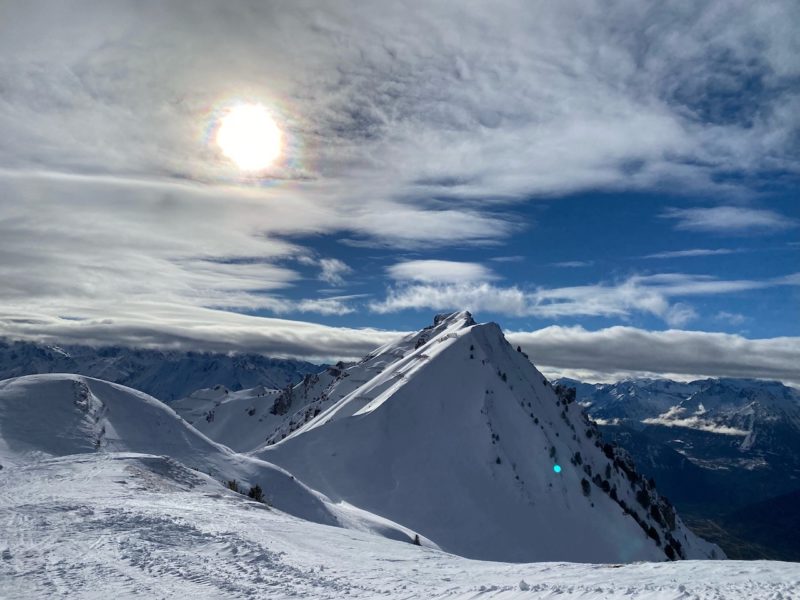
x=454 y=434
x=449 y=318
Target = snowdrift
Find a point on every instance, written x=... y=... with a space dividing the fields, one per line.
x=44 y=416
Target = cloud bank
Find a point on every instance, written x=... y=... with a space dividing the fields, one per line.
x=618 y=352
x=603 y=355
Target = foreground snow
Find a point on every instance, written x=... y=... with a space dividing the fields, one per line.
x=121 y=525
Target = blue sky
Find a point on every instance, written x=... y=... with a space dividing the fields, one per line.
x=603 y=240
x=615 y=183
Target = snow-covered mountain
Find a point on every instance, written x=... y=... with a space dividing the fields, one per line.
x=448 y=437
x=167 y=375
x=45 y=416
x=718 y=423
x=246 y=419
x=456 y=435
x=53 y=416
x=630 y=400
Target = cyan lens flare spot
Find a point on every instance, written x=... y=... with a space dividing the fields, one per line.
x=557 y=468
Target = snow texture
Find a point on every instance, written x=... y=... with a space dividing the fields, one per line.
x=121 y=525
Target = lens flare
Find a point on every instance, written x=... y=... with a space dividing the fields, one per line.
x=249 y=136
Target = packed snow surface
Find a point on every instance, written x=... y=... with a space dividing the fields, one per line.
x=122 y=525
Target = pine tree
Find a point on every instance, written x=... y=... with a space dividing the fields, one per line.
x=256 y=493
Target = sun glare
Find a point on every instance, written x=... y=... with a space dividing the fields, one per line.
x=249 y=136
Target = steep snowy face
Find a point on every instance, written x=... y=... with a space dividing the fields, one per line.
x=456 y=435
x=380 y=369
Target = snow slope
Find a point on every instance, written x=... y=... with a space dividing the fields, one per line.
x=44 y=416
x=246 y=419
x=116 y=525
x=454 y=434
x=241 y=420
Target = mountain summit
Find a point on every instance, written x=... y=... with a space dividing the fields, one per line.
x=456 y=435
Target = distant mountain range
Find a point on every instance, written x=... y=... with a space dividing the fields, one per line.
x=167 y=375
x=719 y=448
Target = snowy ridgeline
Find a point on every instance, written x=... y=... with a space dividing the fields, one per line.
x=448 y=437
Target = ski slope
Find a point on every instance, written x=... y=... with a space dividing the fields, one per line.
x=122 y=525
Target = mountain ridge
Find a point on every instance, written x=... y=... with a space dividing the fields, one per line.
x=433 y=421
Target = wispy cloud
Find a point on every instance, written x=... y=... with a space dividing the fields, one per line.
x=471 y=102
x=730 y=317
x=650 y=294
x=333 y=271
x=440 y=271
x=408 y=125
x=507 y=259
x=574 y=264
x=693 y=252
x=728 y=219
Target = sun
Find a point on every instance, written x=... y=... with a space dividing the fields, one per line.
x=249 y=136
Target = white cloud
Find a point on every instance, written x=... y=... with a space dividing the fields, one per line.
x=679 y=314
x=407 y=125
x=692 y=252
x=619 y=352
x=697 y=423
x=728 y=219
x=416 y=101
x=508 y=259
x=333 y=270
x=440 y=271
x=651 y=294
x=604 y=355
x=574 y=264
x=729 y=317
x=589 y=300
x=192 y=328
